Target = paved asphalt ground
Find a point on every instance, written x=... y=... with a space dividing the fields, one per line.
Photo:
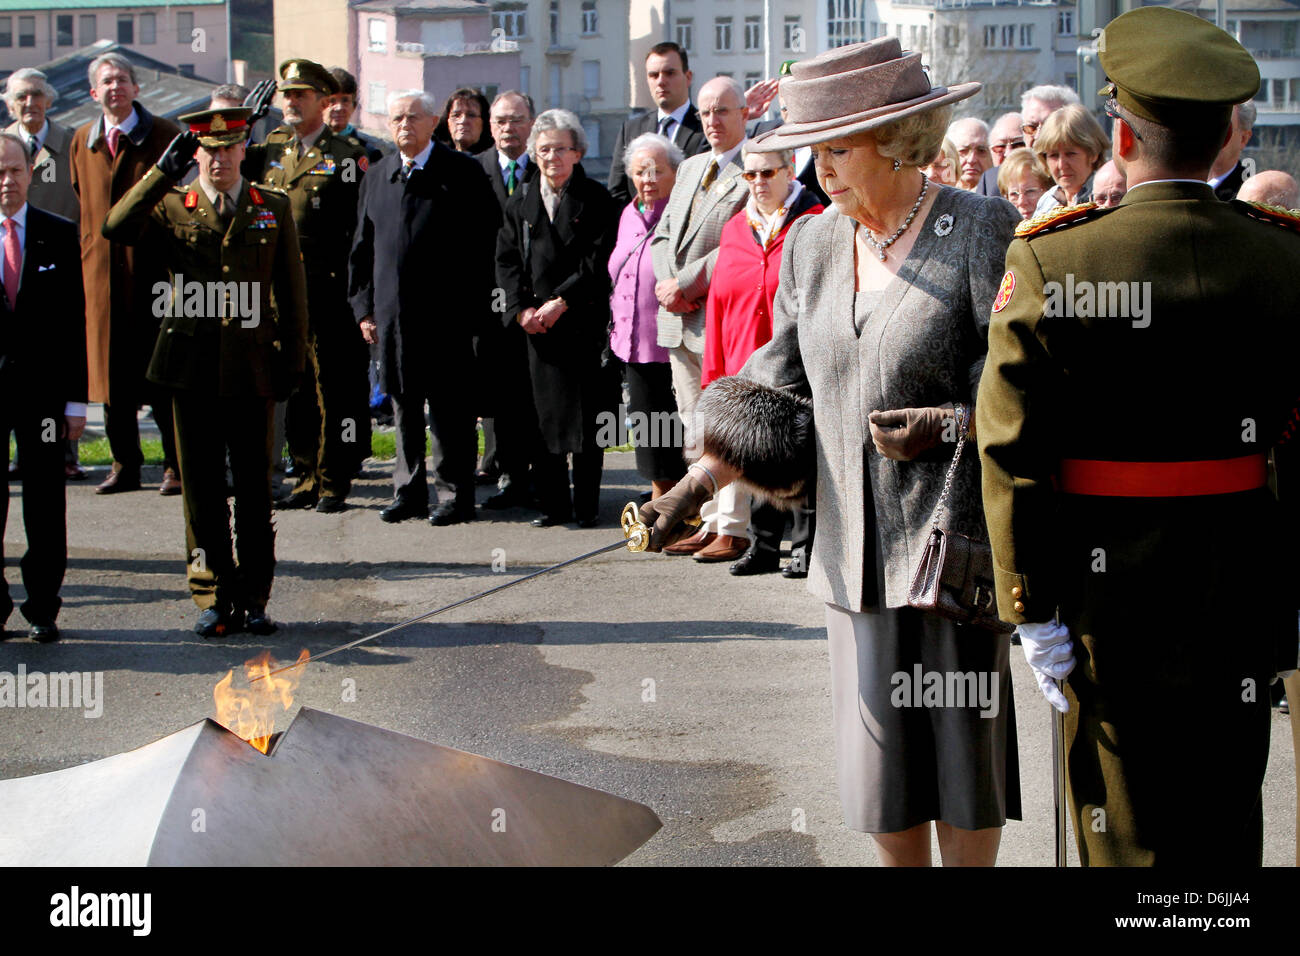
x=732 y=751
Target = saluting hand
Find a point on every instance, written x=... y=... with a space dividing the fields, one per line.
x=260 y=100
x=177 y=159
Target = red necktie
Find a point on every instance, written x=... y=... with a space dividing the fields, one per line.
x=113 y=134
x=13 y=264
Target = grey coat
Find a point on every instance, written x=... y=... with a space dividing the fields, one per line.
x=923 y=345
x=51 y=187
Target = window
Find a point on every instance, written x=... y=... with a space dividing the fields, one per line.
x=752 y=78
x=377 y=99
x=556 y=86
x=794 y=39
x=1009 y=35
x=951 y=37
x=591 y=79
x=1065 y=23
x=925 y=37
x=525 y=80
x=185 y=69
x=753 y=34
x=6 y=31
x=27 y=31
x=990 y=37
x=63 y=30
x=592 y=128
x=185 y=27
x=1279 y=86
x=911 y=37
x=722 y=34
x=377 y=30
x=846 y=22
x=148 y=28
x=590 y=21
x=1026 y=36
x=686 y=33
x=125 y=28
x=510 y=19
x=555 y=22
x=1289 y=32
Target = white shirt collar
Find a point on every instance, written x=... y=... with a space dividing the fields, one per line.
x=126 y=125
x=678 y=114
x=421 y=159
x=1217 y=181
x=40 y=136
x=728 y=156
x=505 y=161
x=19 y=217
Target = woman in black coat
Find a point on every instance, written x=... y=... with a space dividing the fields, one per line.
x=552 y=256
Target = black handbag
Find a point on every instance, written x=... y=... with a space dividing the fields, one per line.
x=955 y=576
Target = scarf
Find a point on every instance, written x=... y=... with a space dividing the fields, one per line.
x=767 y=228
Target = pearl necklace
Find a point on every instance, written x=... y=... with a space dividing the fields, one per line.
x=880 y=247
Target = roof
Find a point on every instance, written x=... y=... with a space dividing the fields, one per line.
x=13 y=6
x=1234 y=6
x=163 y=91
x=414 y=7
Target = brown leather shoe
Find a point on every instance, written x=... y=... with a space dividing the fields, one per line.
x=695 y=542
x=119 y=480
x=171 y=484
x=726 y=547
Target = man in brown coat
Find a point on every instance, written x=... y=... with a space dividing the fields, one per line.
x=109 y=155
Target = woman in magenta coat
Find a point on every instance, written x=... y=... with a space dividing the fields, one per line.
x=738 y=319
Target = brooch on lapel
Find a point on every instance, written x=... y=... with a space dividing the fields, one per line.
x=943 y=225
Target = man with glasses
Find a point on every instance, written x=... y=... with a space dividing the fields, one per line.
x=1003 y=138
x=1039 y=102
x=1108 y=186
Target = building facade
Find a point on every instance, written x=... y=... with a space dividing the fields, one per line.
x=192 y=36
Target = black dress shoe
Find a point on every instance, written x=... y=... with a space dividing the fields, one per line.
x=258 y=621
x=549 y=521
x=401 y=510
x=45 y=633
x=590 y=522
x=298 y=500
x=754 y=561
x=331 y=504
x=450 y=513
x=214 y=622
x=508 y=497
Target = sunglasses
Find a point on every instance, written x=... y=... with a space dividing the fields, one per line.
x=1028 y=128
x=752 y=174
x=1003 y=147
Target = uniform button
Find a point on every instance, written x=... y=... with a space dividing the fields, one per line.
x=1019 y=607
x=225 y=268
x=1017 y=591
x=264 y=241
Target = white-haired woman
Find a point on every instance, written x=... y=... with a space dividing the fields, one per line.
x=552 y=255
x=879 y=335
x=651 y=162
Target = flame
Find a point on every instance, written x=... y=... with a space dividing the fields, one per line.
x=250 y=714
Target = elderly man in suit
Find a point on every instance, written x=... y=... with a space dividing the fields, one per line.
x=1229 y=172
x=424 y=207
x=709 y=191
x=109 y=155
x=42 y=378
x=668 y=75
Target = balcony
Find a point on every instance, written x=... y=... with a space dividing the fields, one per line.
x=562 y=47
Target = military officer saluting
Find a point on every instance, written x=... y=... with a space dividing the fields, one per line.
x=225 y=349
x=327 y=421
x=1141 y=368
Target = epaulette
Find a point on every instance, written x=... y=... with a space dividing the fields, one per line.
x=1277 y=215
x=280 y=133
x=1055 y=218
x=274 y=190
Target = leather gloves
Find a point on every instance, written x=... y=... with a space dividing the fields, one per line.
x=670 y=511
x=904 y=433
x=1050 y=653
x=177 y=159
x=260 y=100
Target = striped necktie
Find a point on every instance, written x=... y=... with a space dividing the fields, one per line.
x=407 y=168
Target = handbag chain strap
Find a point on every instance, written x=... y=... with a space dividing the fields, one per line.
x=947 y=483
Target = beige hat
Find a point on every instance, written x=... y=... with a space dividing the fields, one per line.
x=854 y=88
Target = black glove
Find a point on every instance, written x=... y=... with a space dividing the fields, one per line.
x=260 y=100
x=671 y=511
x=177 y=159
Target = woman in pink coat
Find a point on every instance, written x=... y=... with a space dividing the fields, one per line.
x=738 y=321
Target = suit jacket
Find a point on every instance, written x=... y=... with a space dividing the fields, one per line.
x=922 y=345
x=203 y=346
x=422 y=266
x=51 y=187
x=490 y=160
x=538 y=259
x=988 y=184
x=43 y=341
x=120 y=325
x=1227 y=190
x=685 y=245
x=689 y=135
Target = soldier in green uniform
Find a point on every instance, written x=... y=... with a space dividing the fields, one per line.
x=232 y=342
x=327 y=421
x=1141 y=368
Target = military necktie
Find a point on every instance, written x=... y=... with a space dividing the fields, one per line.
x=225 y=210
x=13 y=263
x=511 y=180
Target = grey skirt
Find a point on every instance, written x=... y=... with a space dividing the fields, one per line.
x=925 y=725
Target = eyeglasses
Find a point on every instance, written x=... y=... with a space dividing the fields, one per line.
x=546 y=152
x=509 y=120
x=1010 y=144
x=752 y=174
x=1112 y=110
x=721 y=112
x=1029 y=128
x=1106 y=200
x=1015 y=194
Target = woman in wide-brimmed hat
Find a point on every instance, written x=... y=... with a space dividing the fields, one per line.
x=880 y=324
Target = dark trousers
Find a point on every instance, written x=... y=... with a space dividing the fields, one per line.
x=122 y=429
x=515 y=440
x=327 y=420
x=206 y=427
x=455 y=448
x=552 y=473
x=44 y=509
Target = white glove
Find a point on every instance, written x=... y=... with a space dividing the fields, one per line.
x=1050 y=653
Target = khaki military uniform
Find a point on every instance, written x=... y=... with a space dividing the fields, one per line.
x=1139 y=375
x=228 y=353
x=327 y=422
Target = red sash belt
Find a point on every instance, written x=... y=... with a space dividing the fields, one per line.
x=1162 y=479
